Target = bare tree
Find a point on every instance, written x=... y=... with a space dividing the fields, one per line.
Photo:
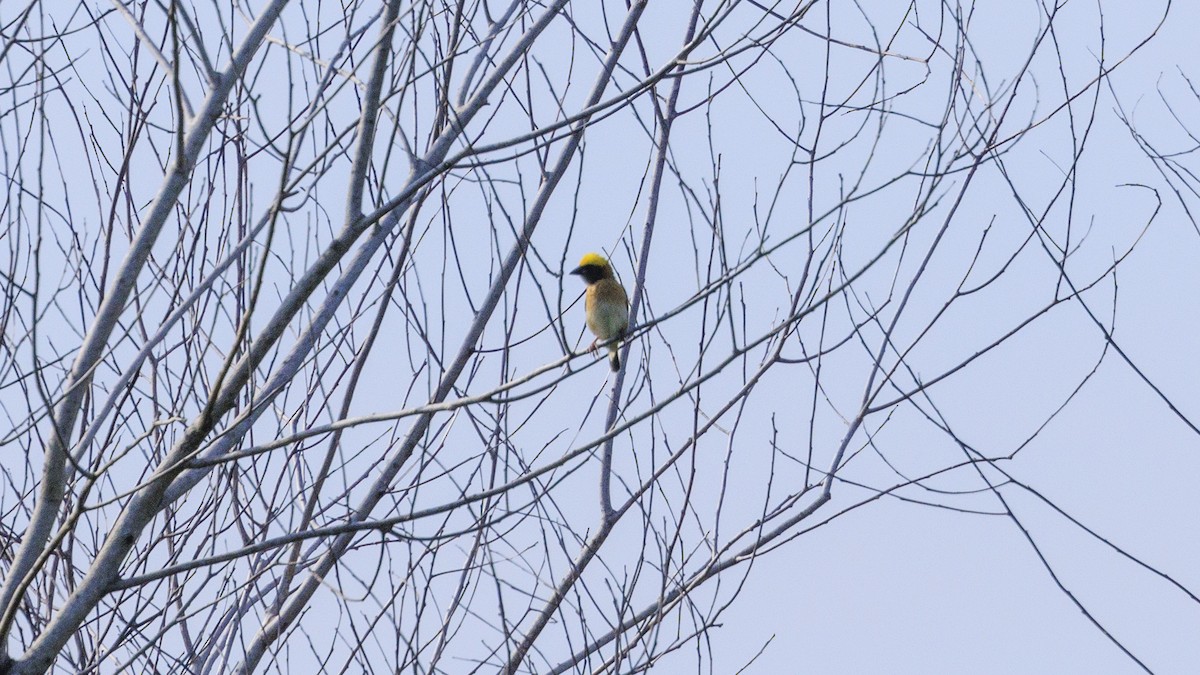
x=293 y=376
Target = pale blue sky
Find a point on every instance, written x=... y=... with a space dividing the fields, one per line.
x=896 y=586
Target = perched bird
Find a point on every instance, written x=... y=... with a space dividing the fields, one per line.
x=606 y=304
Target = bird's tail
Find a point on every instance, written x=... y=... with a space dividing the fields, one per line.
x=614 y=355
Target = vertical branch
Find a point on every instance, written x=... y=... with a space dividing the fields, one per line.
x=662 y=144
x=369 y=118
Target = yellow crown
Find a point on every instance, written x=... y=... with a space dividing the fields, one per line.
x=593 y=259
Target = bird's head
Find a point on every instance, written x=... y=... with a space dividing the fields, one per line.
x=593 y=267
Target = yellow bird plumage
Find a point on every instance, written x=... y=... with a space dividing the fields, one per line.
x=606 y=304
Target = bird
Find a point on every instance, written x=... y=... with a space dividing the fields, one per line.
x=605 y=303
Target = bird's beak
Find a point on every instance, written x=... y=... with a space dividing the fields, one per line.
x=577 y=270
